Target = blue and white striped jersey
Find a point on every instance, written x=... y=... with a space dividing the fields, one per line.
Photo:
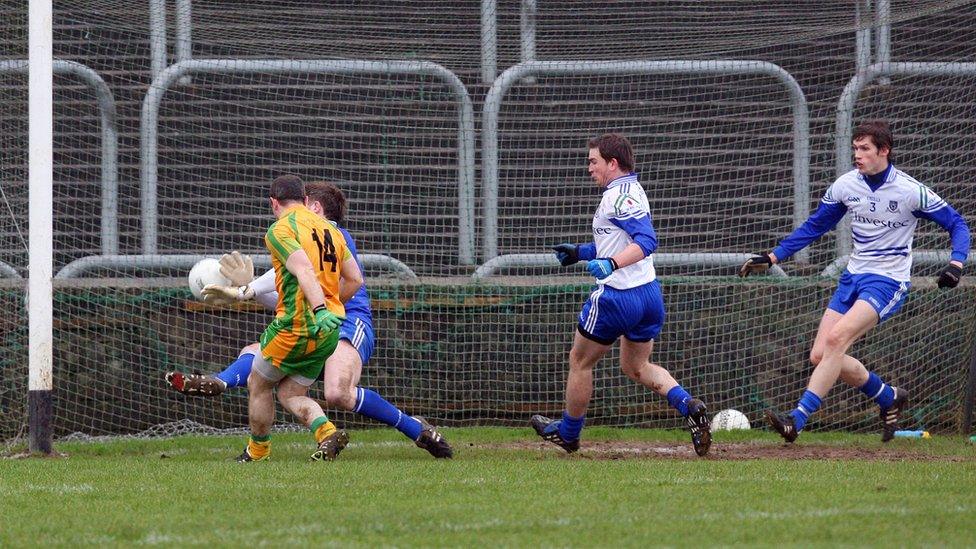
x=624 y=217
x=883 y=220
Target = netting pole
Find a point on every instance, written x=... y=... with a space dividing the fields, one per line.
x=882 y=23
x=184 y=35
x=489 y=40
x=967 y=412
x=41 y=173
x=862 y=35
x=157 y=37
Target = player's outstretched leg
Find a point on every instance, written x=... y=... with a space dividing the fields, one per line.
x=195 y=384
x=432 y=441
x=789 y=425
x=701 y=429
x=548 y=429
x=330 y=446
x=330 y=439
x=258 y=449
x=890 y=415
x=783 y=424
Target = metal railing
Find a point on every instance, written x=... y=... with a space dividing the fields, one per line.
x=493 y=102
x=149 y=146
x=489 y=268
x=923 y=257
x=85 y=265
x=110 y=142
x=8 y=271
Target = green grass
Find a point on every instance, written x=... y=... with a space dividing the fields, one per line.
x=385 y=492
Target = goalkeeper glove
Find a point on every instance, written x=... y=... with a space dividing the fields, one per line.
x=602 y=267
x=326 y=320
x=950 y=276
x=755 y=264
x=237 y=268
x=567 y=254
x=215 y=294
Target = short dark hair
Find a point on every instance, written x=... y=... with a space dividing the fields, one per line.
x=288 y=188
x=878 y=131
x=614 y=145
x=331 y=198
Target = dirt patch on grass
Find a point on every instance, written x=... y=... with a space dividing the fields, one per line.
x=611 y=450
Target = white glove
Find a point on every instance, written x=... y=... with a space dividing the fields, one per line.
x=237 y=268
x=215 y=294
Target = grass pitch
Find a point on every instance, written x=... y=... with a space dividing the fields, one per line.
x=628 y=487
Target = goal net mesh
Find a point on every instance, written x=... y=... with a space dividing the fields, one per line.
x=392 y=103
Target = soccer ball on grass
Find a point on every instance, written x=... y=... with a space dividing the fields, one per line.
x=728 y=420
x=206 y=271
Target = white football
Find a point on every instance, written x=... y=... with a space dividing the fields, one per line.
x=728 y=420
x=206 y=271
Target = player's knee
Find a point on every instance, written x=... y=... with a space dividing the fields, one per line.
x=340 y=397
x=816 y=356
x=580 y=360
x=631 y=371
x=253 y=349
x=836 y=340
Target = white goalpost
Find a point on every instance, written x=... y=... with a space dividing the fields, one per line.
x=40 y=290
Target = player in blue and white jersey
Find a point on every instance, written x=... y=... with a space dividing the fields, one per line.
x=626 y=300
x=885 y=205
x=343 y=368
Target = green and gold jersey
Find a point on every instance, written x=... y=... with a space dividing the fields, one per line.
x=301 y=229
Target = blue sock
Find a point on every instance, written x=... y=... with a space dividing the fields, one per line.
x=236 y=374
x=372 y=405
x=678 y=399
x=879 y=391
x=809 y=403
x=570 y=427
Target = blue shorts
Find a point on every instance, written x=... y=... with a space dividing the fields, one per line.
x=359 y=334
x=885 y=294
x=635 y=313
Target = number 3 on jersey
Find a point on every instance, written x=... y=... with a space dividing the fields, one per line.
x=327 y=251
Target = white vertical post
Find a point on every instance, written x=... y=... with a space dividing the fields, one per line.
x=527 y=33
x=489 y=40
x=862 y=36
x=184 y=32
x=157 y=37
x=882 y=18
x=40 y=175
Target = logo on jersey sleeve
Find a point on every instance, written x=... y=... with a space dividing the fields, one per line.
x=624 y=203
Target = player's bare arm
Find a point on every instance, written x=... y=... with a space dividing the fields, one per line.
x=351 y=279
x=299 y=265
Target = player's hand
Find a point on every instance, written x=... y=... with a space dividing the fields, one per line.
x=755 y=264
x=237 y=268
x=215 y=294
x=601 y=267
x=326 y=320
x=950 y=276
x=567 y=254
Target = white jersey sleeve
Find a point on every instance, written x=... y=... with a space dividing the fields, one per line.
x=265 y=292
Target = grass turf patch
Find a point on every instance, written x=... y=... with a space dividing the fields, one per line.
x=503 y=488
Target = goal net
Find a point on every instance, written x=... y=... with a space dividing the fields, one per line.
x=171 y=119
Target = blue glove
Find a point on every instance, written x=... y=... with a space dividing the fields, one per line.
x=567 y=254
x=602 y=267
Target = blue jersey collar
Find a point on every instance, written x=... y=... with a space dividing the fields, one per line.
x=623 y=179
x=877 y=180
